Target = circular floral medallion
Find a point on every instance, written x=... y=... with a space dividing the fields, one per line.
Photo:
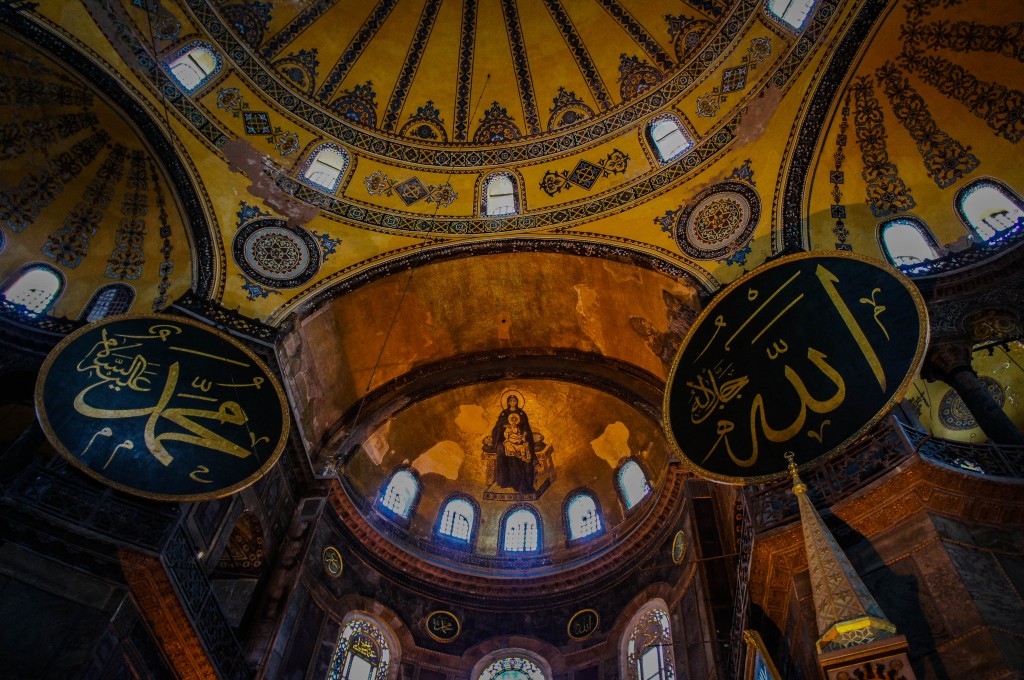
x=953 y=411
x=272 y=254
x=718 y=222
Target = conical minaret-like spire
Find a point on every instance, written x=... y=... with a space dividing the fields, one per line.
x=848 y=615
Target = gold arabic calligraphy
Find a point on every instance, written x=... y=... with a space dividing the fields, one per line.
x=117 y=362
x=712 y=388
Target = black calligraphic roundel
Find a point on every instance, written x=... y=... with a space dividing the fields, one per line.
x=162 y=407
x=802 y=355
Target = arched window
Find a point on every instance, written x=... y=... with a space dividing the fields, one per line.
x=193 y=65
x=520 y=530
x=500 y=195
x=791 y=12
x=633 y=483
x=325 y=167
x=401 y=493
x=458 y=520
x=989 y=208
x=907 y=242
x=648 y=650
x=668 y=138
x=362 y=653
x=34 y=288
x=114 y=298
x=582 y=516
x=512 y=668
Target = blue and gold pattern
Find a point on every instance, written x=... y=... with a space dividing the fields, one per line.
x=300 y=68
x=585 y=174
x=358 y=105
x=717 y=223
x=496 y=126
x=20 y=207
x=568 y=109
x=734 y=79
x=69 y=244
x=522 y=66
x=355 y=48
x=464 y=78
x=887 y=193
x=127 y=258
x=411 y=191
x=425 y=124
x=953 y=412
x=945 y=159
x=636 y=77
x=412 y=61
x=583 y=61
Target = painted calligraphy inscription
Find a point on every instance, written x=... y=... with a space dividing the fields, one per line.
x=802 y=355
x=162 y=407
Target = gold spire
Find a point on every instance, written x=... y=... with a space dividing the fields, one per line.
x=848 y=615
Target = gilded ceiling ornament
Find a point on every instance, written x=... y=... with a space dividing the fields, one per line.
x=585 y=174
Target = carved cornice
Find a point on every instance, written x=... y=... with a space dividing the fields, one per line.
x=162 y=610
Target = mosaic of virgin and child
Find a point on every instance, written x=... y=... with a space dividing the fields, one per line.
x=515 y=447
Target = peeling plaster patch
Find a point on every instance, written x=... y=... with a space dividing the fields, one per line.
x=759 y=112
x=587 y=308
x=471 y=420
x=244 y=158
x=621 y=274
x=613 y=445
x=377 y=446
x=443 y=458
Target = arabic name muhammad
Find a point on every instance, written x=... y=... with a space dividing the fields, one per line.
x=119 y=362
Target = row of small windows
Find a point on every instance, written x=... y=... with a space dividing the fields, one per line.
x=791 y=12
x=364 y=652
x=35 y=288
x=520 y=527
x=990 y=210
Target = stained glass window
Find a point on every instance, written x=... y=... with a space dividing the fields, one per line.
x=582 y=516
x=400 y=493
x=907 y=242
x=34 y=289
x=326 y=166
x=647 y=649
x=362 y=653
x=990 y=209
x=521 y=533
x=792 y=12
x=633 y=483
x=668 y=138
x=500 y=195
x=115 y=298
x=512 y=668
x=194 y=65
x=457 y=519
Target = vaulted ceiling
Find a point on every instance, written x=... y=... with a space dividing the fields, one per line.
x=396 y=291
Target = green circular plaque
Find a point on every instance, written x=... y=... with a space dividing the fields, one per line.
x=162 y=407
x=804 y=354
x=678 y=547
x=443 y=626
x=333 y=563
x=583 y=624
